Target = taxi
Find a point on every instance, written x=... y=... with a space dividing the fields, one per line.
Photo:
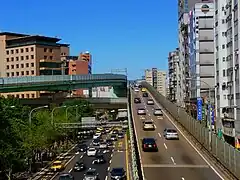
x=143 y=90
x=100 y=129
x=57 y=166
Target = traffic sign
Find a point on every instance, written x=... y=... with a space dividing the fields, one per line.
x=199 y=109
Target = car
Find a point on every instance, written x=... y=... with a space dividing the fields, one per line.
x=96 y=136
x=120 y=135
x=109 y=142
x=57 y=166
x=137 y=100
x=91 y=151
x=65 y=176
x=141 y=111
x=136 y=89
x=114 y=131
x=82 y=148
x=96 y=142
x=170 y=133
x=149 y=144
x=99 y=160
x=150 y=102
x=114 y=137
x=145 y=94
x=79 y=166
x=157 y=112
x=143 y=89
x=118 y=174
x=148 y=125
x=103 y=145
x=91 y=174
x=108 y=130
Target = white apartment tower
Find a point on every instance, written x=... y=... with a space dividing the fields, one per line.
x=227 y=43
x=157 y=79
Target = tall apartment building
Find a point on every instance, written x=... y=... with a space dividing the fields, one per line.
x=227 y=43
x=201 y=51
x=183 y=10
x=30 y=55
x=174 y=76
x=157 y=79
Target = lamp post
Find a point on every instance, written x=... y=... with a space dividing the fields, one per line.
x=54 y=110
x=30 y=113
x=71 y=107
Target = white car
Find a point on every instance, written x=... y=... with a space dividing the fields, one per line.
x=148 y=125
x=170 y=133
x=91 y=152
x=150 y=102
x=103 y=145
x=158 y=112
x=141 y=111
x=136 y=90
x=96 y=136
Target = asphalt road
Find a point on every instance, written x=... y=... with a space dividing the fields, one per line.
x=114 y=156
x=176 y=159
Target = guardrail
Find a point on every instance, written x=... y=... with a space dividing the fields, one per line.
x=90 y=125
x=134 y=168
x=226 y=154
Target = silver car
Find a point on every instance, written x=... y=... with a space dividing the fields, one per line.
x=91 y=174
x=169 y=133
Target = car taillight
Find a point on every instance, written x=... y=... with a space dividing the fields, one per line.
x=154 y=145
x=144 y=145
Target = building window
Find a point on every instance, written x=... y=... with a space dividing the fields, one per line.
x=17 y=58
x=17 y=73
x=223 y=21
x=32 y=72
x=12 y=51
x=27 y=72
x=27 y=64
x=7 y=66
x=12 y=66
x=224 y=73
x=7 y=74
x=27 y=95
x=22 y=58
x=26 y=49
x=32 y=64
x=50 y=50
x=17 y=65
x=22 y=95
x=224 y=59
x=223 y=46
x=45 y=57
x=224 y=96
x=17 y=51
x=33 y=95
x=7 y=52
x=22 y=65
x=50 y=57
x=27 y=57
x=17 y=96
x=45 y=49
x=22 y=50
x=12 y=73
x=32 y=49
x=12 y=59
x=7 y=59
x=22 y=73
x=32 y=56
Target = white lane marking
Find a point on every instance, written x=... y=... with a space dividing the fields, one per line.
x=149 y=114
x=199 y=153
x=183 y=178
x=111 y=155
x=159 y=135
x=110 y=161
x=108 y=168
x=77 y=153
x=173 y=161
x=106 y=177
x=81 y=156
x=165 y=145
x=70 y=170
x=54 y=176
x=135 y=132
x=155 y=126
x=70 y=160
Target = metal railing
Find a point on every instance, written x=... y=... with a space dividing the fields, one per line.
x=90 y=125
x=226 y=154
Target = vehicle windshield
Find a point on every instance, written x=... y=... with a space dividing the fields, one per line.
x=113 y=135
x=57 y=164
x=65 y=177
x=118 y=171
x=90 y=173
x=148 y=141
x=141 y=109
x=171 y=131
x=91 y=149
x=148 y=122
x=157 y=109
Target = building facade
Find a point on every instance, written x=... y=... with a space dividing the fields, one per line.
x=157 y=79
x=174 y=76
x=30 y=55
x=201 y=51
x=227 y=43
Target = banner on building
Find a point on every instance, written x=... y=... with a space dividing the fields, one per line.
x=199 y=109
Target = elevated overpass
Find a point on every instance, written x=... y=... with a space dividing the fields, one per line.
x=193 y=156
x=105 y=103
x=58 y=83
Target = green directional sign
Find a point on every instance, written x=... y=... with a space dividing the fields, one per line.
x=203 y=113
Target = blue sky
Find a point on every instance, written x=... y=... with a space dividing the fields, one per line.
x=133 y=34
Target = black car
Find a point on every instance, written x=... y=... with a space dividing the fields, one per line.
x=149 y=144
x=118 y=173
x=79 y=166
x=137 y=100
x=96 y=142
x=99 y=159
x=66 y=176
x=109 y=142
x=82 y=148
x=145 y=94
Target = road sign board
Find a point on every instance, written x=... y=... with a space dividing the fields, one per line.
x=199 y=109
x=88 y=120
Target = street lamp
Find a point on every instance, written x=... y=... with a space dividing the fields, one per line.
x=30 y=114
x=71 y=107
x=55 y=109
